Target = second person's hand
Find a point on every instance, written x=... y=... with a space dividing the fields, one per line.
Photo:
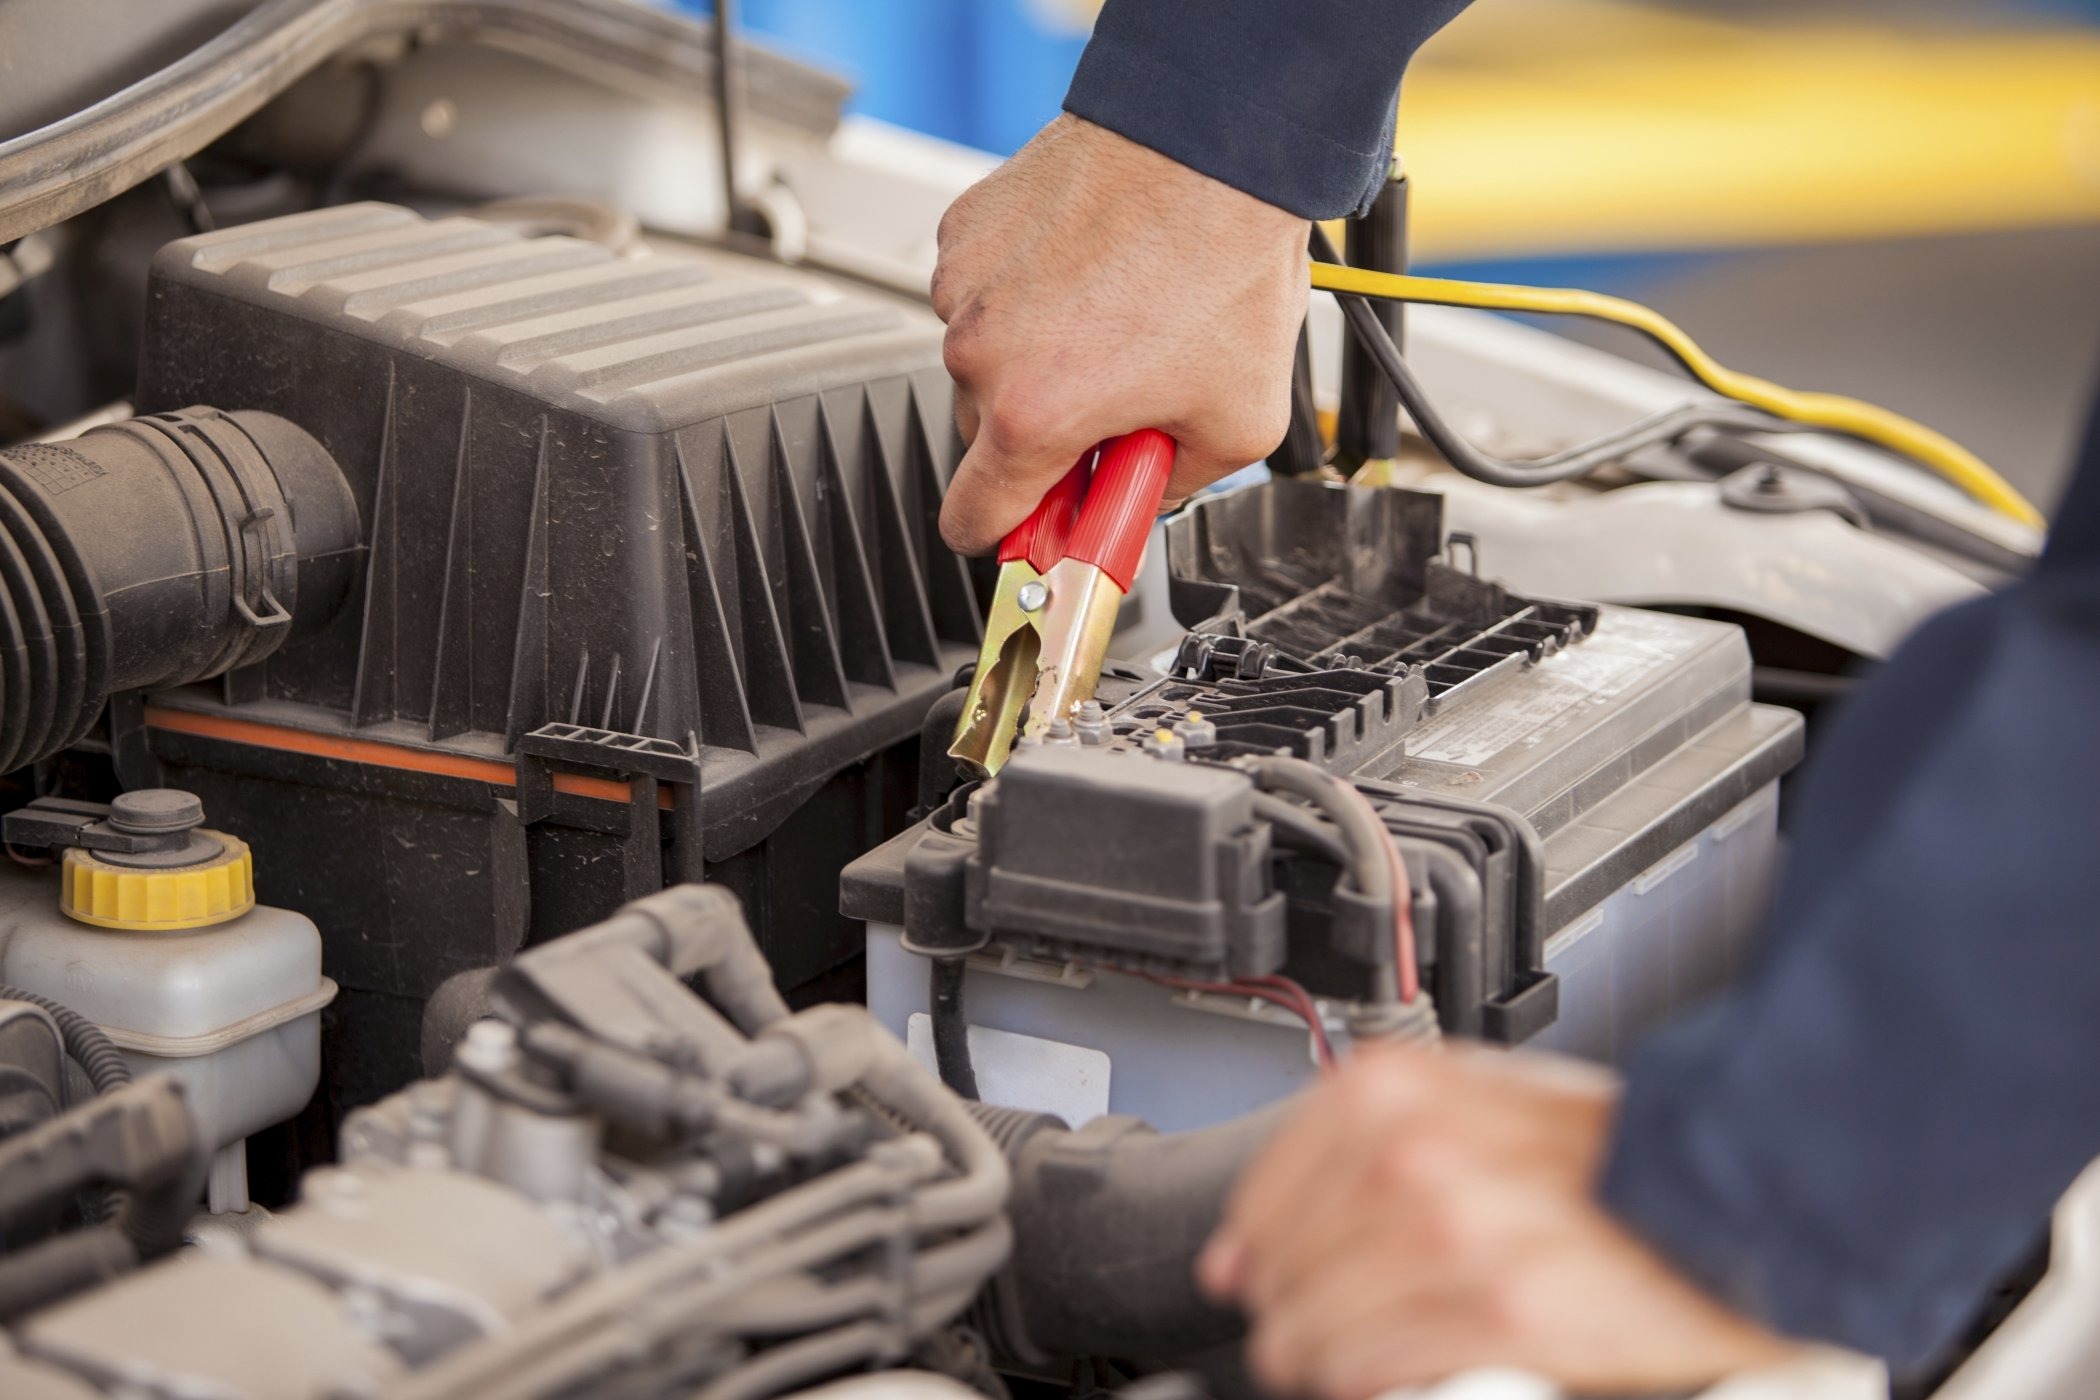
x=1091 y=287
x=1428 y=1212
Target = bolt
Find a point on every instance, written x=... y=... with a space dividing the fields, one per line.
x=1166 y=744
x=1090 y=720
x=490 y=1047
x=1059 y=731
x=1032 y=595
x=1196 y=731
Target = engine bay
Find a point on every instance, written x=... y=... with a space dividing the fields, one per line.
x=586 y=575
x=490 y=910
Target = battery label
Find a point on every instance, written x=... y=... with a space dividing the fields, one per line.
x=1626 y=648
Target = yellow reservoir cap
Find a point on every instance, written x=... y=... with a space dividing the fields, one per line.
x=94 y=891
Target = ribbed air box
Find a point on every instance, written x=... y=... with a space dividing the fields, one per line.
x=652 y=582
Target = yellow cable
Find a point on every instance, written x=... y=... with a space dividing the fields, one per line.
x=1834 y=411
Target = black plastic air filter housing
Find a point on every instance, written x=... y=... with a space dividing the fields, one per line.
x=653 y=588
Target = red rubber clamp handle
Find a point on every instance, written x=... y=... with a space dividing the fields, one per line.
x=1041 y=539
x=1130 y=480
x=1101 y=510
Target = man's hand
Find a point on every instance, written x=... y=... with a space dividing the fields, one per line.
x=1092 y=287
x=1426 y=1213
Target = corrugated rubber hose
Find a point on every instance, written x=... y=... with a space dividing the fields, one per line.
x=95 y=1053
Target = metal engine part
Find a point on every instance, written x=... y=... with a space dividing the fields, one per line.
x=624 y=1187
x=619 y=1184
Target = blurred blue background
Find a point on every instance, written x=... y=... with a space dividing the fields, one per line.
x=985 y=73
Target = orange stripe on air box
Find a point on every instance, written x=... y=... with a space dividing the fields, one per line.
x=378 y=754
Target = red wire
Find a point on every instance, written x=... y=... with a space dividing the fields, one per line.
x=1303 y=1003
x=1275 y=991
x=1403 y=917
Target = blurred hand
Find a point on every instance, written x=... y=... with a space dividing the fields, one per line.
x=1426 y=1213
x=1091 y=287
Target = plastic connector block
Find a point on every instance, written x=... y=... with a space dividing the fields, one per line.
x=1338 y=620
x=1342 y=719
x=1123 y=858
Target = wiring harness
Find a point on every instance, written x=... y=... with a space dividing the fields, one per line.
x=1748 y=403
x=1339 y=823
x=1170 y=925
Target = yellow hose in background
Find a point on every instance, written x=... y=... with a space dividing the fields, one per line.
x=1833 y=411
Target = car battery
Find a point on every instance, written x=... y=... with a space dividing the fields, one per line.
x=1610 y=789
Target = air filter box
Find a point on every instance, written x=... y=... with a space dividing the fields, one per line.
x=651 y=589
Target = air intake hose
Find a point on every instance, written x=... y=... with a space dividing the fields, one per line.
x=155 y=552
x=1108 y=1220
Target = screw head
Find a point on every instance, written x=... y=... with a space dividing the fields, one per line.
x=1032 y=595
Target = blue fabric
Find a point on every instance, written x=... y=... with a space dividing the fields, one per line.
x=1871 y=1130
x=1289 y=100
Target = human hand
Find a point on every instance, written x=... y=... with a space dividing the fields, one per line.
x=1426 y=1213
x=1092 y=287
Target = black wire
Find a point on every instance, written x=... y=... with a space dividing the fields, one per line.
x=1301 y=829
x=1374 y=866
x=85 y=1042
x=1301 y=453
x=1564 y=465
x=1721 y=456
x=951 y=1030
x=1784 y=686
x=738 y=217
x=86 y=1045
x=188 y=198
x=335 y=185
x=1357 y=822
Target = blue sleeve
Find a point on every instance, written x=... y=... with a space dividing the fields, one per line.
x=1873 y=1128
x=1289 y=100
